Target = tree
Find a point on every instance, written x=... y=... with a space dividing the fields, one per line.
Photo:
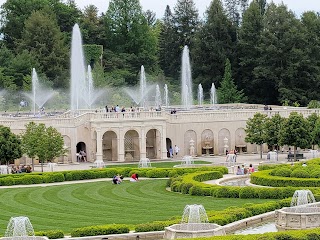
x=43 y=39
x=228 y=92
x=256 y=131
x=10 y=146
x=295 y=132
x=272 y=130
x=312 y=119
x=315 y=135
x=45 y=143
x=214 y=43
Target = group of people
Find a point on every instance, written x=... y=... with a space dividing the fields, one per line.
x=21 y=169
x=242 y=170
x=82 y=156
x=176 y=151
x=117 y=179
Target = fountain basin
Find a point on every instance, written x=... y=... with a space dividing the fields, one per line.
x=26 y=237
x=193 y=230
x=298 y=217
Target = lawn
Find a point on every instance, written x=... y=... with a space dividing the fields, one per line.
x=156 y=164
x=76 y=205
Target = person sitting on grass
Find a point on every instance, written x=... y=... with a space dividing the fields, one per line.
x=134 y=178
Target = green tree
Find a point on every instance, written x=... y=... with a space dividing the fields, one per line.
x=10 y=146
x=248 y=51
x=315 y=135
x=312 y=119
x=256 y=131
x=228 y=92
x=272 y=130
x=43 y=39
x=214 y=43
x=45 y=143
x=295 y=132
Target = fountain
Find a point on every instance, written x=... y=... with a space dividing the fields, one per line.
x=78 y=72
x=200 y=95
x=40 y=95
x=19 y=228
x=194 y=223
x=314 y=153
x=303 y=213
x=187 y=161
x=99 y=164
x=144 y=163
x=186 y=79
x=140 y=95
x=213 y=95
x=166 y=96
x=272 y=156
x=158 y=101
x=91 y=93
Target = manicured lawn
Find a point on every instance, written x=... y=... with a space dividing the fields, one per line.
x=157 y=164
x=70 y=206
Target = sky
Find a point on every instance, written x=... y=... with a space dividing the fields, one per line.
x=158 y=6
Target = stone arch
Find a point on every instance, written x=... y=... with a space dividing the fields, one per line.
x=190 y=134
x=241 y=144
x=131 y=145
x=153 y=143
x=110 y=146
x=224 y=133
x=207 y=142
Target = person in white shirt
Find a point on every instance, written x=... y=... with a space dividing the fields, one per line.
x=176 y=150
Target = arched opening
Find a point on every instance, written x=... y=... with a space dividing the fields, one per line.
x=169 y=144
x=110 y=146
x=224 y=141
x=153 y=144
x=241 y=145
x=131 y=146
x=81 y=152
x=207 y=142
x=190 y=143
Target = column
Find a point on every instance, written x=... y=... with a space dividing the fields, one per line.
x=163 y=136
x=143 y=143
x=99 y=145
x=121 y=153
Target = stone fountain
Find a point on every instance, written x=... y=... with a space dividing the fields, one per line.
x=194 y=223
x=187 y=161
x=304 y=212
x=20 y=228
x=144 y=163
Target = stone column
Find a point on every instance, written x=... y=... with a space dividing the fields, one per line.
x=121 y=153
x=143 y=143
x=163 y=136
x=99 y=153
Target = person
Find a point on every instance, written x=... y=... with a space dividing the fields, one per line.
x=134 y=178
x=239 y=172
x=176 y=150
x=115 y=179
x=83 y=155
x=28 y=169
x=251 y=169
x=171 y=152
x=304 y=164
x=107 y=109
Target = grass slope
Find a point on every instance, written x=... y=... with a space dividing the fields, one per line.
x=70 y=206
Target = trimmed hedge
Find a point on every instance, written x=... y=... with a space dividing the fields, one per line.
x=100 y=230
x=50 y=177
x=265 y=179
x=51 y=234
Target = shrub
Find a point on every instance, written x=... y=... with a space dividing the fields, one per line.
x=282 y=172
x=315 y=174
x=51 y=234
x=300 y=173
x=99 y=230
x=248 y=192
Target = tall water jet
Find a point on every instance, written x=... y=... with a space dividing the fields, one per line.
x=200 y=95
x=213 y=95
x=19 y=228
x=143 y=86
x=90 y=86
x=158 y=100
x=166 y=96
x=186 y=79
x=78 y=73
x=40 y=94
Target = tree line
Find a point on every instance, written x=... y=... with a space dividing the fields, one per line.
x=276 y=131
x=264 y=52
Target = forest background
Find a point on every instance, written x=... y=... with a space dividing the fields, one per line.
x=268 y=53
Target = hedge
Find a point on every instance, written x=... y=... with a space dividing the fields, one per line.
x=50 y=177
x=100 y=230
x=51 y=234
x=265 y=179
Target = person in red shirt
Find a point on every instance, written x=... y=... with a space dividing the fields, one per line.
x=134 y=177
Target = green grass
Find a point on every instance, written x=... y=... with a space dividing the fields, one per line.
x=156 y=164
x=77 y=205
